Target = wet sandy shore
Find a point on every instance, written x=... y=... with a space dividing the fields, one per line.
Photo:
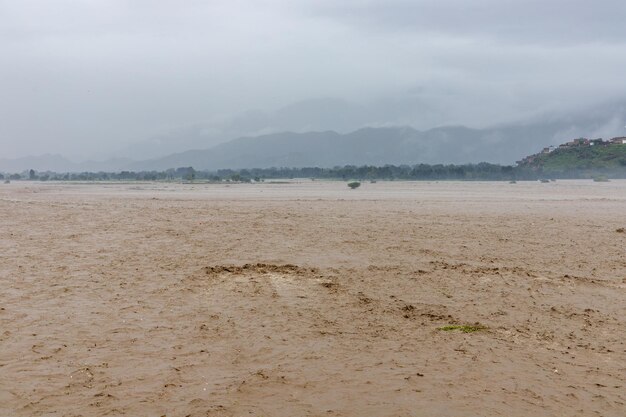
x=310 y=299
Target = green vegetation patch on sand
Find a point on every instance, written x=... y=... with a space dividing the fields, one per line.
x=465 y=328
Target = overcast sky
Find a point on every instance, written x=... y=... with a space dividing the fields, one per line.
x=88 y=77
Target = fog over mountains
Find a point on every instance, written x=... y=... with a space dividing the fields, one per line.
x=117 y=84
x=344 y=142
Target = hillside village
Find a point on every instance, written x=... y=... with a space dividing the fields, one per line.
x=576 y=143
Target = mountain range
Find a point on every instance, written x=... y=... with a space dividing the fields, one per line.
x=367 y=146
x=502 y=144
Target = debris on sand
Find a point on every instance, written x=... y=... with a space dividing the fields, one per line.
x=258 y=268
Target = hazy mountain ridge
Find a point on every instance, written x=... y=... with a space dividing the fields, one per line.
x=502 y=144
x=58 y=163
x=341 y=116
x=366 y=146
x=46 y=162
x=312 y=115
x=371 y=146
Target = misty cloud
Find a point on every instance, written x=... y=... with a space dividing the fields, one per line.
x=91 y=78
x=564 y=22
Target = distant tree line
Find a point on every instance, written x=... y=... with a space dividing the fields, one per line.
x=469 y=172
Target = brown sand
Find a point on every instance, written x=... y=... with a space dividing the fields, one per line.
x=312 y=299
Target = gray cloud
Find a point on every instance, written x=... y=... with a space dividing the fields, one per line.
x=90 y=77
x=522 y=21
